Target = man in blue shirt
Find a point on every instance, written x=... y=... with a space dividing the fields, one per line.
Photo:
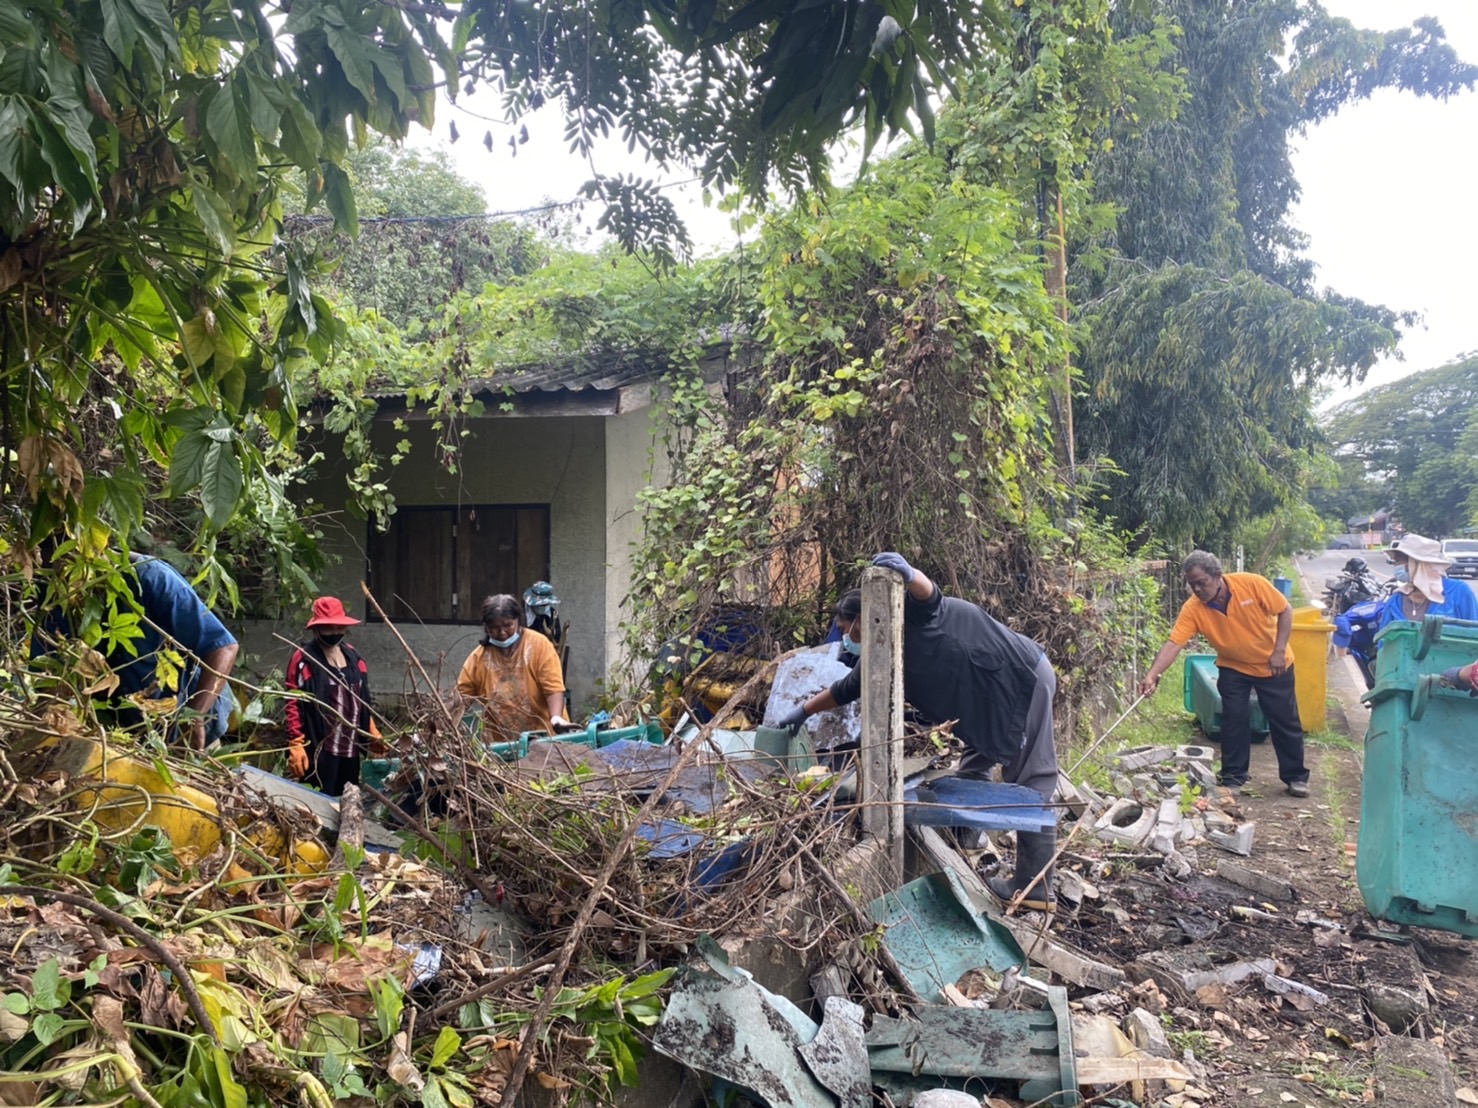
x=174 y=617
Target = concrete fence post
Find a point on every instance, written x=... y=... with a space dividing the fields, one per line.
x=880 y=760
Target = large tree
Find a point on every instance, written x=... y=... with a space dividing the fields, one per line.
x=151 y=316
x=1418 y=437
x=1206 y=335
x=424 y=236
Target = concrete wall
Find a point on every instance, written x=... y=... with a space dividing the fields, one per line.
x=559 y=461
x=630 y=441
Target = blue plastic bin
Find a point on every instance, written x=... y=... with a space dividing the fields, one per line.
x=1200 y=696
x=1417 y=861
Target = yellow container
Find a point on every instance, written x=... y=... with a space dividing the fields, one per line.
x=1309 y=642
x=122 y=794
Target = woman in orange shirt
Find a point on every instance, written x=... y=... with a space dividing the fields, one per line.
x=515 y=673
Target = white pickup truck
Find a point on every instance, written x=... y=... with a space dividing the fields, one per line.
x=1464 y=555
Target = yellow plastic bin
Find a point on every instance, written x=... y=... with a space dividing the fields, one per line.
x=1310 y=644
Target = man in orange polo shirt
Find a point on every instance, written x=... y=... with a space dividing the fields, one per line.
x=1247 y=622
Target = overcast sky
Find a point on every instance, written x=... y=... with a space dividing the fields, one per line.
x=1389 y=189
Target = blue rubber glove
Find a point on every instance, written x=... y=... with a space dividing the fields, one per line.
x=895 y=562
x=793 y=719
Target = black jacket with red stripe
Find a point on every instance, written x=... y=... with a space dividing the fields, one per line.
x=309 y=672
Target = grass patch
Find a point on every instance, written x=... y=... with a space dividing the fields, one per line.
x=1349 y=1083
x=1331 y=740
x=1329 y=774
x=1196 y=1042
x=1161 y=720
x=1408 y=1072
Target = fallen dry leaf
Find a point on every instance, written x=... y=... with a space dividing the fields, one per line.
x=12 y=1026
x=1466 y=1095
x=400 y=1068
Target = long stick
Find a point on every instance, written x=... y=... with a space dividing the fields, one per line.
x=502 y=981
x=411 y=654
x=1105 y=735
x=587 y=910
x=884 y=955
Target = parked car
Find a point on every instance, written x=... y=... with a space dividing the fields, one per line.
x=1464 y=555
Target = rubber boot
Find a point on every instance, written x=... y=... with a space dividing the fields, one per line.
x=1034 y=849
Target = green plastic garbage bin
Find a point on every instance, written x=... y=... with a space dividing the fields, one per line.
x=1200 y=696
x=1416 y=863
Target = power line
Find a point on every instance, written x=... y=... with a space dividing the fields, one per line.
x=556 y=205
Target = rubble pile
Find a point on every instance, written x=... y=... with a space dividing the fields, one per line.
x=178 y=933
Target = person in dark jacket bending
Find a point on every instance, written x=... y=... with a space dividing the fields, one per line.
x=331 y=727
x=961 y=664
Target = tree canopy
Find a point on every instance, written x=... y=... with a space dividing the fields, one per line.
x=1418 y=437
x=152 y=316
x=424 y=236
x=1206 y=337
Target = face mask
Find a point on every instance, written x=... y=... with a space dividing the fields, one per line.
x=332 y=639
x=849 y=646
x=504 y=643
x=1401 y=574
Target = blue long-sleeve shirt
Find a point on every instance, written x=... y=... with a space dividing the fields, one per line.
x=1458 y=602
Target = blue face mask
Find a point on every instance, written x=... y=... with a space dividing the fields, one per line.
x=1401 y=574
x=504 y=643
x=849 y=646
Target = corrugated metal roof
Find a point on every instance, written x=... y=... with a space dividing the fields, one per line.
x=576 y=375
x=603 y=372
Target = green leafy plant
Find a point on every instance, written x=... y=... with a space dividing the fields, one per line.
x=144 y=859
x=613 y=1018
x=1189 y=794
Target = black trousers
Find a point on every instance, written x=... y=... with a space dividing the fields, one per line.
x=1279 y=704
x=329 y=773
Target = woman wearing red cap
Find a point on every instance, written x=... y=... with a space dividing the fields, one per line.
x=328 y=711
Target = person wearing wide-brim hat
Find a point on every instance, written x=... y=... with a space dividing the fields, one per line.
x=330 y=724
x=1425 y=588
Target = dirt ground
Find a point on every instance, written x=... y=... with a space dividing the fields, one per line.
x=1258 y=1048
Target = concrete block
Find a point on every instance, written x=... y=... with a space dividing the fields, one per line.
x=1238 y=841
x=1148 y=1034
x=1191 y=970
x=1167 y=816
x=1195 y=754
x=1201 y=775
x=1070 y=797
x=1141 y=757
x=1260 y=883
x=1414 y=1073
x=1217 y=820
x=1399 y=998
x=1177 y=866
x=1399 y=1007
x=1127 y=822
